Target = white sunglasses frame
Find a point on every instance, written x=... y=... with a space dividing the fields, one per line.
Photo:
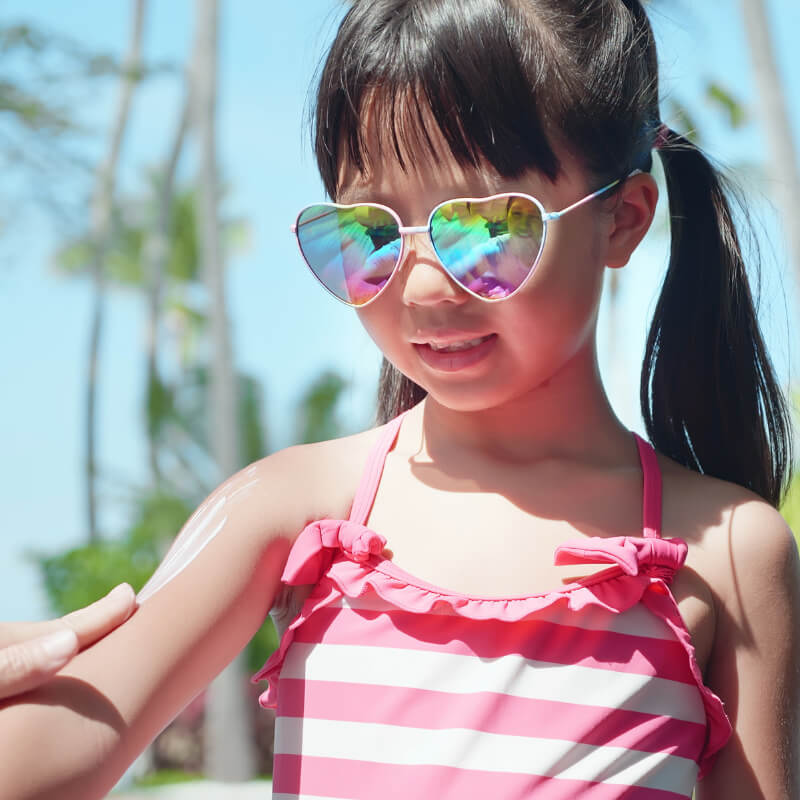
x=407 y=230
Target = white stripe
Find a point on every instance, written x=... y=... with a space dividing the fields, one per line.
x=509 y=674
x=636 y=621
x=488 y=752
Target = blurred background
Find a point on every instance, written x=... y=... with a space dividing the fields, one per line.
x=159 y=328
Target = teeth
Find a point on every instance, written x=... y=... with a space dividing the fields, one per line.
x=457 y=345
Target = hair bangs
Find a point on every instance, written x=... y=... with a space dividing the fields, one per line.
x=402 y=79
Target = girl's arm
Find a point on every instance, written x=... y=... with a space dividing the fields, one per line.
x=756 y=656
x=74 y=736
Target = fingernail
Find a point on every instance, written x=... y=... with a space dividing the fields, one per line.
x=123 y=590
x=59 y=646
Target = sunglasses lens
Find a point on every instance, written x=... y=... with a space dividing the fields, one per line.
x=352 y=250
x=490 y=246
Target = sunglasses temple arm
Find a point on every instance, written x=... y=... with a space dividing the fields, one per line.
x=556 y=214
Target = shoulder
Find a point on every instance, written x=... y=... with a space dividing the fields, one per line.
x=306 y=482
x=744 y=551
x=739 y=541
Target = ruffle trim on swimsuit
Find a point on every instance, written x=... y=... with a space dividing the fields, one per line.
x=641 y=571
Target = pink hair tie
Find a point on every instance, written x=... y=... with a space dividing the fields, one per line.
x=662 y=135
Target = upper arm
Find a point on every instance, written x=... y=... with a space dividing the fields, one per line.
x=755 y=657
x=112 y=699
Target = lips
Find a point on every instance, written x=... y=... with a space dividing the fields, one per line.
x=454 y=360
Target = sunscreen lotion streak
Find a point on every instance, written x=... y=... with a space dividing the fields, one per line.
x=207 y=522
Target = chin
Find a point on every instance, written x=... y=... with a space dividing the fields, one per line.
x=467 y=398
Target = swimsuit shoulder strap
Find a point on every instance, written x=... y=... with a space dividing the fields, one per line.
x=368 y=487
x=651 y=495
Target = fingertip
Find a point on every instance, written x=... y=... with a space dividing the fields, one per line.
x=122 y=591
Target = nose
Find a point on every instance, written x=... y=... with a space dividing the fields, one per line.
x=425 y=281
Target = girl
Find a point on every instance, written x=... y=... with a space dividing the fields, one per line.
x=501 y=591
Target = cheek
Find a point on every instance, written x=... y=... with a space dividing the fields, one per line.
x=557 y=308
x=570 y=274
x=383 y=326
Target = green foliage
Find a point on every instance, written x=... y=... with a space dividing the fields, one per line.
x=791 y=503
x=83 y=574
x=32 y=111
x=316 y=412
x=166 y=777
x=791 y=507
x=252 y=445
x=80 y=576
x=724 y=100
x=261 y=646
x=178 y=415
x=124 y=261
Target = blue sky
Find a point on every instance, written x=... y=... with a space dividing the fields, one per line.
x=285 y=328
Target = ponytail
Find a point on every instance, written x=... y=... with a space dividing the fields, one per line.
x=709 y=396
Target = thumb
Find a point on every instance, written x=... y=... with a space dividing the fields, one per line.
x=25 y=665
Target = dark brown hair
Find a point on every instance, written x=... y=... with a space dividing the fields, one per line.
x=504 y=79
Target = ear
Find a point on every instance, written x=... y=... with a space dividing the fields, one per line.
x=632 y=215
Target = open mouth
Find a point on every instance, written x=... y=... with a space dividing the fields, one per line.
x=456 y=355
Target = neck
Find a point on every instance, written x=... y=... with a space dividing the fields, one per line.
x=568 y=417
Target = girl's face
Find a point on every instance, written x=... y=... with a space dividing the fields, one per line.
x=524 y=340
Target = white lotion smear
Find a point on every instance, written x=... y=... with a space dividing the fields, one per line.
x=207 y=522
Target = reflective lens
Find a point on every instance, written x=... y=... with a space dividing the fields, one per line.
x=352 y=250
x=491 y=245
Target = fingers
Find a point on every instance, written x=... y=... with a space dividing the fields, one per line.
x=101 y=617
x=89 y=624
x=30 y=653
x=25 y=665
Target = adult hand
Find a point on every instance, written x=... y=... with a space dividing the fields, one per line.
x=32 y=652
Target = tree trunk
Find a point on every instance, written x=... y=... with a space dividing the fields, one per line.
x=156 y=254
x=229 y=742
x=783 y=168
x=100 y=234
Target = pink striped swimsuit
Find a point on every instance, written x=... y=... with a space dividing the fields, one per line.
x=388 y=687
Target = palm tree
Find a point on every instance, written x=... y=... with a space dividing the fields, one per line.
x=100 y=228
x=156 y=255
x=782 y=157
x=229 y=749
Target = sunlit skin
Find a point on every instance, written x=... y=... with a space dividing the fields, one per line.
x=537 y=399
x=200 y=530
x=540 y=392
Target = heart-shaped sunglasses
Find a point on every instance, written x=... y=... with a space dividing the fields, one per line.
x=489 y=246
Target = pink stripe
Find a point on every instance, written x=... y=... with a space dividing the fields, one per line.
x=491 y=713
x=364 y=780
x=530 y=638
